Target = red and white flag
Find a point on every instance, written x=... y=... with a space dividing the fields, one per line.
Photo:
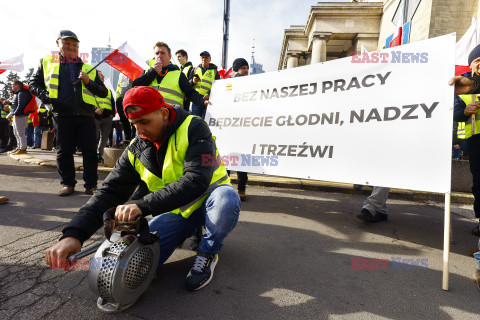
x=224 y=74
x=463 y=48
x=397 y=38
x=127 y=61
x=398 y=34
x=14 y=64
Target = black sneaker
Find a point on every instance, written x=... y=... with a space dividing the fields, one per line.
x=367 y=216
x=202 y=271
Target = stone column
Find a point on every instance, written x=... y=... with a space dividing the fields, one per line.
x=319 y=47
x=292 y=60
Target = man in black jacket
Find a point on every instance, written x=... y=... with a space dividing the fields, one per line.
x=66 y=83
x=187 y=69
x=174 y=156
x=161 y=69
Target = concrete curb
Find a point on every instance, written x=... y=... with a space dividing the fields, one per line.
x=299 y=184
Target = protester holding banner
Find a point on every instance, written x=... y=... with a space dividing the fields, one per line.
x=465 y=107
x=70 y=86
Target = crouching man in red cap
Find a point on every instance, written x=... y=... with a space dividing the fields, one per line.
x=181 y=192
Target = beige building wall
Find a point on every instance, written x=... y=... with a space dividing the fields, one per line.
x=433 y=18
x=420 y=22
x=452 y=16
x=349 y=25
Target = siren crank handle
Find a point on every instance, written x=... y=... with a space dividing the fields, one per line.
x=84 y=253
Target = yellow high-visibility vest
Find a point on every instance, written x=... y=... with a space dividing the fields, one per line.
x=467 y=98
x=51 y=74
x=206 y=80
x=173 y=169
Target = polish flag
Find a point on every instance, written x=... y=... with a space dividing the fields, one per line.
x=14 y=64
x=463 y=48
x=397 y=35
x=397 y=38
x=127 y=61
x=224 y=75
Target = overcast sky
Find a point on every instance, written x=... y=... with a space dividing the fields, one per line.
x=31 y=27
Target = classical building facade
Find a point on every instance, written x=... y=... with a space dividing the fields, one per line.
x=336 y=29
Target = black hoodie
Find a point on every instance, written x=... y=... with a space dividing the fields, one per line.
x=120 y=184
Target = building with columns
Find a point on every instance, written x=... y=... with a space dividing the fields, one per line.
x=336 y=29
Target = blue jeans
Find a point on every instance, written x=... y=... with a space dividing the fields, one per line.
x=29 y=136
x=37 y=135
x=219 y=213
x=199 y=111
x=476 y=255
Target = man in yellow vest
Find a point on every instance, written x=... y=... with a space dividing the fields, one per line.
x=458 y=141
x=203 y=77
x=183 y=184
x=167 y=78
x=466 y=109
x=124 y=84
x=56 y=82
x=104 y=114
x=187 y=69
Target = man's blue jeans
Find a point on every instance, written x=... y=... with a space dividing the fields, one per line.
x=37 y=135
x=199 y=111
x=219 y=213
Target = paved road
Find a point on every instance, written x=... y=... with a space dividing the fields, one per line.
x=290 y=257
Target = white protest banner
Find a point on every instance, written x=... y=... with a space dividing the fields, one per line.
x=379 y=118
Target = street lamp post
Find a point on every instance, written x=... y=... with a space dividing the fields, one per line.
x=226 y=20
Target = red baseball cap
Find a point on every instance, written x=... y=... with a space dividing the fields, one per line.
x=148 y=98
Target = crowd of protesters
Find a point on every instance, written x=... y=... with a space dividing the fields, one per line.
x=84 y=115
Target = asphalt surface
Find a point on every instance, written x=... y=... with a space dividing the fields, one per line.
x=291 y=256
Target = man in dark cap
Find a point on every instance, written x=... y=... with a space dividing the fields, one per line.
x=203 y=77
x=240 y=69
x=180 y=185
x=70 y=86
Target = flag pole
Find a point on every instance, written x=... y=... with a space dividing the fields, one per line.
x=446 y=242
x=76 y=82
